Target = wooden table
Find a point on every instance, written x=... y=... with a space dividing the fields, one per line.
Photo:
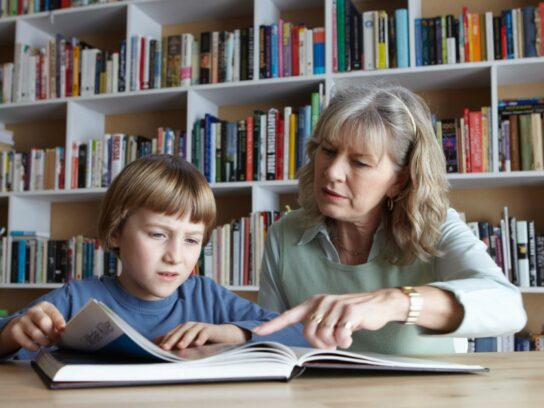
x=515 y=380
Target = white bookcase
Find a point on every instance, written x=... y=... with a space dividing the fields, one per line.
x=446 y=87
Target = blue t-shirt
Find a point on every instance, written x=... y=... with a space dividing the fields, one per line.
x=198 y=299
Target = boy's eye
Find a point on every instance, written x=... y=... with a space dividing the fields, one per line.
x=192 y=241
x=157 y=235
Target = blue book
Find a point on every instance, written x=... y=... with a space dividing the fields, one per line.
x=485 y=344
x=529 y=31
x=209 y=145
x=319 y=51
x=274 y=59
x=21 y=261
x=403 y=46
x=507 y=14
x=419 y=44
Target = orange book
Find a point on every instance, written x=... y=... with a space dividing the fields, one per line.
x=292 y=144
x=475 y=37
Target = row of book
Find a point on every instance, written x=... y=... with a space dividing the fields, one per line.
x=183 y=60
x=96 y=162
x=467 y=141
x=39 y=169
x=515 y=247
x=368 y=40
x=37 y=259
x=513 y=342
x=66 y=67
x=521 y=145
x=472 y=37
x=234 y=253
x=263 y=146
x=288 y=49
x=10 y=8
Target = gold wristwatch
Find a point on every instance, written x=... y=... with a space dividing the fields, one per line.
x=416 y=304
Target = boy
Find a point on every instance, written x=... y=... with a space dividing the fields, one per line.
x=156 y=215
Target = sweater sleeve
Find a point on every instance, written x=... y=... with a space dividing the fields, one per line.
x=492 y=305
x=233 y=309
x=59 y=297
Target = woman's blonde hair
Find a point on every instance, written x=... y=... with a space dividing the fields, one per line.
x=162 y=183
x=393 y=120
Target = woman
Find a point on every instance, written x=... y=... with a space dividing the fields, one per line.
x=374 y=260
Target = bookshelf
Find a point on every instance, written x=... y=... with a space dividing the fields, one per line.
x=447 y=88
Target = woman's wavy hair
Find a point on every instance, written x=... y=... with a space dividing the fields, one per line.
x=393 y=120
x=162 y=183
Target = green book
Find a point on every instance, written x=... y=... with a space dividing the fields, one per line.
x=526 y=142
x=341 y=34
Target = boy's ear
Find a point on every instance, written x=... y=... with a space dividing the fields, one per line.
x=115 y=240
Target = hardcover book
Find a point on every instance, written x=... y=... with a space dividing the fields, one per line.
x=99 y=349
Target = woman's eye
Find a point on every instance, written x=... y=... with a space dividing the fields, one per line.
x=328 y=151
x=358 y=163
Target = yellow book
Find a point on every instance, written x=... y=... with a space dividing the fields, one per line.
x=475 y=39
x=382 y=40
x=292 y=145
x=485 y=138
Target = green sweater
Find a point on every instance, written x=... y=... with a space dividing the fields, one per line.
x=299 y=263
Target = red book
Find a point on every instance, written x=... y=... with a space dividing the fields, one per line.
x=249 y=148
x=476 y=153
x=295 y=67
x=504 y=49
x=142 y=62
x=75 y=164
x=465 y=30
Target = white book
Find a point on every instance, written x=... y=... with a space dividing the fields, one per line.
x=536 y=136
x=309 y=52
x=195 y=63
x=368 y=39
x=146 y=57
x=114 y=72
x=186 y=58
x=117 y=156
x=490 y=46
x=7 y=83
x=515 y=33
x=522 y=235
x=450 y=51
x=236 y=57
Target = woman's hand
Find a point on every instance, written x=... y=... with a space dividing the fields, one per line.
x=329 y=320
x=38 y=326
x=192 y=334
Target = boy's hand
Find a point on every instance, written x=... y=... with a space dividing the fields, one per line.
x=197 y=334
x=38 y=326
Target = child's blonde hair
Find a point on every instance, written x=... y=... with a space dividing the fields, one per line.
x=162 y=183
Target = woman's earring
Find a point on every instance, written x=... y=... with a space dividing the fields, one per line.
x=390 y=204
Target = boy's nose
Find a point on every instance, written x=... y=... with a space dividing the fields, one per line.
x=173 y=254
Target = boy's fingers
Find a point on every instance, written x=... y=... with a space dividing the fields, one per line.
x=292 y=316
x=58 y=319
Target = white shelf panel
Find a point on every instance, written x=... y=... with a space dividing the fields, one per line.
x=77 y=21
x=522 y=71
x=63 y=195
x=32 y=111
x=532 y=290
x=492 y=180
x=131 y=102
x=180 y=11
x=245 y=92
x=423 y=78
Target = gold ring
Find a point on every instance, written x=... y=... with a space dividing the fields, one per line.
x=316 y=318
x=325 y=325
x=346 y=324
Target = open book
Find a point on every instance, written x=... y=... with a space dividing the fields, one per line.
x=100 y=349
